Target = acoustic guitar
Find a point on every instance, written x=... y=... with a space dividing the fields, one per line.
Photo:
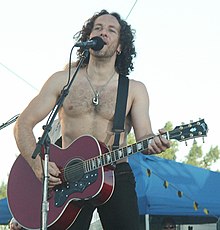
x=87 y=175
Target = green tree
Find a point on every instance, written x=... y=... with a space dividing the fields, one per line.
x=211 y=157
x=194 y=156
x=197 y=158
x=131 y=138
x=3 y=190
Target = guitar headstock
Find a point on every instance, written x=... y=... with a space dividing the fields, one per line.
x=189 y=131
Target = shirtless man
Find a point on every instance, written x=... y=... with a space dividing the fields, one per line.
x=96 y=81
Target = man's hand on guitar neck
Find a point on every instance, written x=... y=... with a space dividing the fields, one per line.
x=157 y=143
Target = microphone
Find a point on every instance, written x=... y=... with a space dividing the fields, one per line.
x=96 y=43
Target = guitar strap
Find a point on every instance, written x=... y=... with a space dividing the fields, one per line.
x=120 y=109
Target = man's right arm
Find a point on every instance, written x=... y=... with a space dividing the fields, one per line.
x=35 y=112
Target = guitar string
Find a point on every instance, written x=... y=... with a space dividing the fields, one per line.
x=76 y=167
x=79 y=166
x=73 y=170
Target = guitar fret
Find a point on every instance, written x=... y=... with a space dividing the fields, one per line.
x=124 y=150
x=93 y=163
x=129 y=150
x=96 y=162
x=87 y=165
x=134 y=147
x=120 y=154
x=90 y=164
x=102 y=160
x=145 y=144
x=140 y=146
x=108 y=158
x=105 y=159
x=113 y=156
x=116 y=155
x=99 y=162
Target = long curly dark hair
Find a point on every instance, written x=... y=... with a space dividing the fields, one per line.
x=124 y=61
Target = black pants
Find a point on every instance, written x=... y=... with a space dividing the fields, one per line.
x=120 y=212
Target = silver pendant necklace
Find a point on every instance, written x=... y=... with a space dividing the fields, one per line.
x=95 y=99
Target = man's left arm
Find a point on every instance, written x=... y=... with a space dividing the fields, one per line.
x=141 y=120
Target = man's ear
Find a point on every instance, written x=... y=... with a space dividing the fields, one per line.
x=118 y=51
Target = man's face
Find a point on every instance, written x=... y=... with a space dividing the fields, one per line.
x=107 y=27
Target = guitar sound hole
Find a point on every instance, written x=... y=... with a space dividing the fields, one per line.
x=74 y=171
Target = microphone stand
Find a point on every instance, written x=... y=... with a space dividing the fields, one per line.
x=10 y=121
x=44 y=141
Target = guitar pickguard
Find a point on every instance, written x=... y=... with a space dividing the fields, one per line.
x=63 y=191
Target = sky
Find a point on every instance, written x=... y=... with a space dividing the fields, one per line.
x=178 y=59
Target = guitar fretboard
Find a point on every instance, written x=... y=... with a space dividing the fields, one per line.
x=180 y=133
x=115 y=155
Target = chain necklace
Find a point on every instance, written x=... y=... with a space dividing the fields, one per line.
x=95 y=99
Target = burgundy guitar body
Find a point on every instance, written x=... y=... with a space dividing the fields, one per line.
x=79 y=185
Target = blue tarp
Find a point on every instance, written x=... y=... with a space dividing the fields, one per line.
x=166 y=187
x=5 y=215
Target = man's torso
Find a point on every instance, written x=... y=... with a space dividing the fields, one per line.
x=79 y=116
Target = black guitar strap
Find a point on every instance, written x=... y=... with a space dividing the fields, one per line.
x=120 y=109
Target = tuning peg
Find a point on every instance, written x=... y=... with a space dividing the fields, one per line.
x=190 y=124
x=203 y=140
x=182 y=124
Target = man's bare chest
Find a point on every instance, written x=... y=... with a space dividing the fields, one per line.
x=80 y=101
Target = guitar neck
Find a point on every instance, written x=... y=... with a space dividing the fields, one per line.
x=180 y=133
x=118 y=154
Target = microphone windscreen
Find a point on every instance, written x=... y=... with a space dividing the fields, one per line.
x=99 y=43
